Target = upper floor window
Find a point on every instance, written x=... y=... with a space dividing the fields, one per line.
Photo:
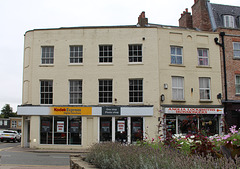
x=203 y=59
x=228 y=21
x=236 y=49
x=105 y=91
x=177 y=88
x=76 y=54
x=204 y=88
x=176 y=55
x=75 y=92
x=135 y=53
x=46 y=92
x=47 y=54
x=105 y=54
x=237 y=84
x=135 y=90
x=5 y=122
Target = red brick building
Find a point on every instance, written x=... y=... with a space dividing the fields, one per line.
x=224 y=19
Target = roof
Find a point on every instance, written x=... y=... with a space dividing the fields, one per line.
x=218 y=10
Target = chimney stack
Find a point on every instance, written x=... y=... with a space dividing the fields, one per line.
x=186 y=19
x=142 y=21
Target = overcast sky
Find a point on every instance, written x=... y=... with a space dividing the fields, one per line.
x=19 y=16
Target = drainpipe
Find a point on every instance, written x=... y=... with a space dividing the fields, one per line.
x=222 y=34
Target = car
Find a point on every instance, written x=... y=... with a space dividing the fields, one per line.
x=10 y=135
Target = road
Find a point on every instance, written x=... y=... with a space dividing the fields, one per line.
x=15 y=157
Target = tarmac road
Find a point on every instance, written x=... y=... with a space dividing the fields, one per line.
x=12 y=156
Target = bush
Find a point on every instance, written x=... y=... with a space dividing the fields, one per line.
x=119 y=156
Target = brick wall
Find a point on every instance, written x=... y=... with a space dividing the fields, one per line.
x=200 y=16
x=186 y=19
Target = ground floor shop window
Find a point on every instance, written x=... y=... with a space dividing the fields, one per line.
x=61 y=130
x=208 y=124
x=136 y=129
x=105 y=128
x=191 y=124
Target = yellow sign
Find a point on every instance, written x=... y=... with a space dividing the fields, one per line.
x=71 y=111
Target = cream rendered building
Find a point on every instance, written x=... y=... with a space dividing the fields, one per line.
x=83 y=85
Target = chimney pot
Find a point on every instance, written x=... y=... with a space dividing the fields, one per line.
x=186 y=9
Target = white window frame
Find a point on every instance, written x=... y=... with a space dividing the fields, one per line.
x=105 y=54
x=47 y=56
x=1 y=122
x=177 y=88
x=229 y=21
x=206 y=89
x=135 y=53
x=5 y=122
x=105 y=95
x=14 y=124
x=237 y=84
x=46 y=99
x=76 y=54
x=75 y=91
x=176 y=55
x=236 y=51
x=202 y=58
x=135 y=90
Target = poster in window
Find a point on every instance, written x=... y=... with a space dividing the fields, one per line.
x=45 y=126
x=136 y=127
x=60 y=126
x=121 y=126
x=74 y=126
x=105 y=127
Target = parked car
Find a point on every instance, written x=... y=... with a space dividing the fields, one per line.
x=10 y=135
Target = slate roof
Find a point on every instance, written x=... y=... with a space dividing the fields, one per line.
x=219 y=11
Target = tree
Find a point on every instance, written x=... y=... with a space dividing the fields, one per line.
x=7 y=111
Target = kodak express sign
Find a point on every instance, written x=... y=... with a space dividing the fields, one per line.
x=81 y=111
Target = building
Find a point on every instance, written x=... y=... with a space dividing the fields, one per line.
x=225 y=20
x=83 y=85
x=4 y=123
x=15 y=123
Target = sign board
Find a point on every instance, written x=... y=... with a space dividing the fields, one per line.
x=111 y=111
x=71 y=111
x=121 y=126
x=60 y=126
x=193 y=111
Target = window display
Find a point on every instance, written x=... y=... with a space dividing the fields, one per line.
x=105 y=129
x=67 y=130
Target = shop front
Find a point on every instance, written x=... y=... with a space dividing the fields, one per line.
x=47 y=127
x=187 y=120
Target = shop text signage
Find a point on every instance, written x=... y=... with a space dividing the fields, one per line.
x=71 y=111
x=60 y=126
x=111 y=111
x=194 y=110
x=121 y=126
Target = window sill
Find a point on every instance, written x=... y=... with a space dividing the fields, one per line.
x=105 y=103
x=46 y=65
x=136 y=103
x=177 y=65
x=208 y=67
x=105 y=64
x=205 y=101
x=179 y=101
x=135 y=63
x=236 y=58
x=75 y=64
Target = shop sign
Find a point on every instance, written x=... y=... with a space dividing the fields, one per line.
x=71 y=111
x=111 y=111
x=60 y=126
x=194 y=110
x=121 y=126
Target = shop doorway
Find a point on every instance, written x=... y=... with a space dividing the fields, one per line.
x=105 y=129
x=136 y=129
x=121 y=133
x=26 y=133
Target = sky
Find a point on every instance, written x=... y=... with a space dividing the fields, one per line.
x=19 y=16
